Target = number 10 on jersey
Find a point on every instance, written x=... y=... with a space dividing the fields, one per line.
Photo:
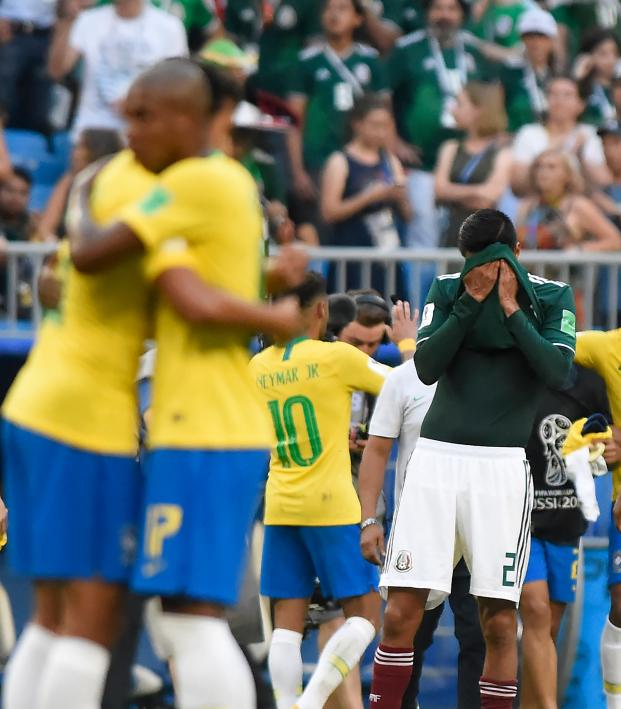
x=288 y=437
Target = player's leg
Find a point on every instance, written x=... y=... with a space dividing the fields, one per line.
x=348 y=695
x=610 y=647
x=493 y=520
x=422 y=641
x=199 y=508
x=470 y=639
x=104 y=516
x=285 y=655
x=346 y=576
x=20 y=685
x=420 y=556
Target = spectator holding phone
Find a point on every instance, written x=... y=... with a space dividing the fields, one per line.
x=364 y=191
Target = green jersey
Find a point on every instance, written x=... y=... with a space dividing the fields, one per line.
x=331 y=83
x=408 y=15
x=195 y=14
x=499 y=24
x=600 y=108
x=580 y=16
x=425 y=79
x=489 y=396
x=281 y=36
x=525 y=94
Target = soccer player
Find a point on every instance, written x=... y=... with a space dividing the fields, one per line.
x=399 y=413
x=557 y=525
x=312 y=510
x=492 y=337
x=601 y=352
x=201 y=227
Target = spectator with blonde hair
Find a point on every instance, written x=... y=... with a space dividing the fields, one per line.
x=559 y=215
x=472 y=173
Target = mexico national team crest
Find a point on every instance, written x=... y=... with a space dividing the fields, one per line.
x=403 y=562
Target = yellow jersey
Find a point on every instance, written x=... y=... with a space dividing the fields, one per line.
x=307 y=387
x=78 y=384
x=204 y=215
x=601 y=352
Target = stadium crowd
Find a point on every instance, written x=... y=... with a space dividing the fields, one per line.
x=362 y=124
x=461 y=100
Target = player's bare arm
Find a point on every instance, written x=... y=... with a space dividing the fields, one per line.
x=200 y=303
x=287 y=269
x=371 y=481
x=617 y=513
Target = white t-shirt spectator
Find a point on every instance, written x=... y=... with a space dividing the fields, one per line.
x=399 y=412
x=531 y=140
x=115 y=50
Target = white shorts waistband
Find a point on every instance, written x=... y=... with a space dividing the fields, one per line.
x=461 y=449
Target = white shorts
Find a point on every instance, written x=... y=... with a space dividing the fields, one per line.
x=470 y=501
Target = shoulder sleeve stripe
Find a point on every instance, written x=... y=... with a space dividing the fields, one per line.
x=421 y=340
x=449 y=275
x=567 y=347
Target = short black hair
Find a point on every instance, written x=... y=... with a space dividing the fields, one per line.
x=358 y=6
x=341 y=311
x=595 y=37
x=465 y=7
x=23 y=174
x=371 y=308
x=100 y=142
x=485 y=227
x=312 y=288
x=224 y=86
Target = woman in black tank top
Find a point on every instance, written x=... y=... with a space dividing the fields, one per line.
x=363 y=192
x=473 y=173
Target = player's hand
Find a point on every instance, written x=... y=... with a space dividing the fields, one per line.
x=372 y=544
x=481 y=280
x=49 y=287
x=6 y=34
x=286 y=318
x=508 y=289
x=78 y=221
x=404 y=322
x=616 y=512
x=612 y=451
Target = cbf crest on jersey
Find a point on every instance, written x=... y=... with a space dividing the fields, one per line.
x=403 y=562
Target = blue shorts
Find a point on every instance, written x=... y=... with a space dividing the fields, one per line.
x=293 y=557
x=73 y=513
x=614 y=553
x=198 y=512
x=558 y=565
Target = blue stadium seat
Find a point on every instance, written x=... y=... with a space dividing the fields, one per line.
x=26 y=148
x=61 y=144
x=49 y=170
x=39 y=196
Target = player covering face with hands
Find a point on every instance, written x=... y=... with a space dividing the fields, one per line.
x=491 y=337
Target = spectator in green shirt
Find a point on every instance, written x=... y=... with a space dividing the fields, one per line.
x=526 y=79
x=426 y=71
x=595 y=69
x=328 y=78
x=279 y=30
x=497 y=21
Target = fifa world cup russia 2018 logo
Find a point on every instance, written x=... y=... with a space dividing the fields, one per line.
x=552 y=433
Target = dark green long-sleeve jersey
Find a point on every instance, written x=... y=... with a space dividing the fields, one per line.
x=489 y=397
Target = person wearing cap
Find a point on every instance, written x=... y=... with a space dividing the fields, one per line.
x=525 y=80
x=426 y=71
x=595 y=68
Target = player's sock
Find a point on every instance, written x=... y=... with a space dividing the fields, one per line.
x=497 y=694
x=341 y=653
x=24 y=669
x=610 y=649
x=285 y=666
x=392 y=670
x=74 y=675
x=210 y=668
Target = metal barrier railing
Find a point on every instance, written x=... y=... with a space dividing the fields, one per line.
x=595 y=276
